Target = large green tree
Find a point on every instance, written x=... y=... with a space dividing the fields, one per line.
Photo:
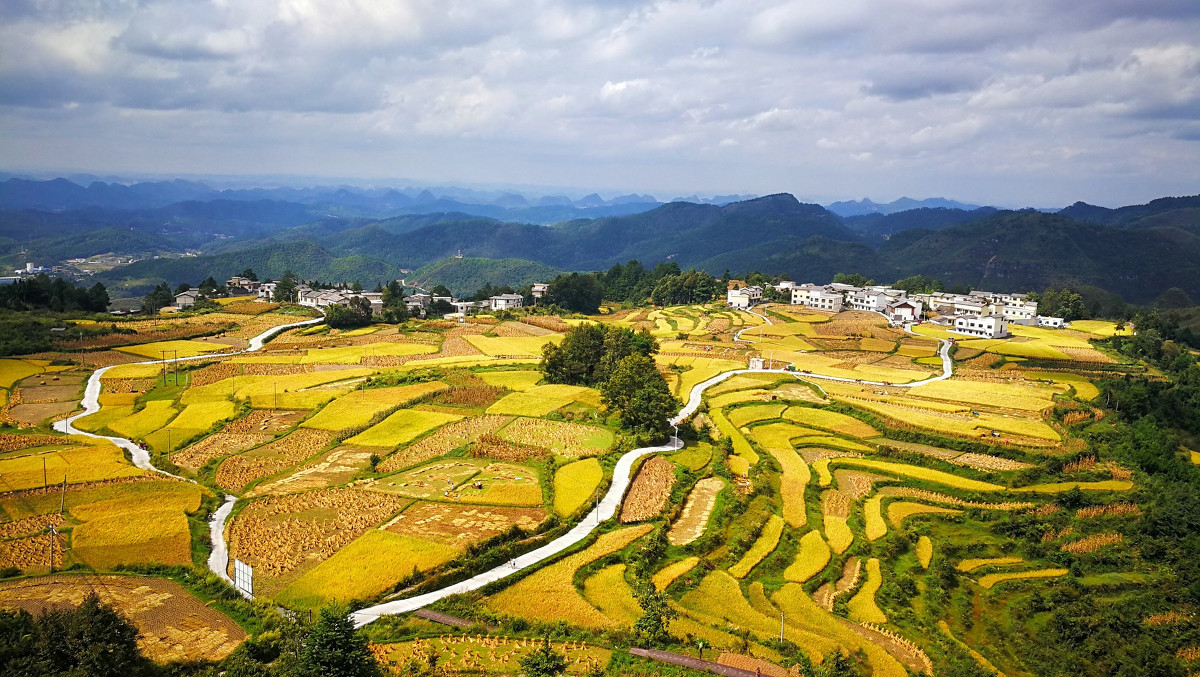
x=544 y=661
x=639 y=394
x=575 y=292
x=92 y=639
x=590 y=352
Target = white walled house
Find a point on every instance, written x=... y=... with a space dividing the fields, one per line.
x=1052 y=322
x=743 y=298
x=187 y=299
x=987 y=326
x=506 y=302
x=871 y=301
x=266 y=290
x=539 y=289
x=825 y=300
x=907 y=310
x=1021 y=312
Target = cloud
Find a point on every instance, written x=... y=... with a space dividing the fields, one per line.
x=819 y=97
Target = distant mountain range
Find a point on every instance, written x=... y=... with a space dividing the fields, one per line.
x=1137 y=251
x=866 y=206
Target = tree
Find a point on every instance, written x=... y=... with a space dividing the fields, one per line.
x=590 y=352
x=440 y=290
x=356 y=314
x=92 y=639
x=98 y=298
x=657 y=613
x=333 y=648
x=159 y=297
x=356 y=287
x=544 y=661
x=639 y=394
x=249 y=274
x=577 y=293
x=285 y=289
x=856 y=279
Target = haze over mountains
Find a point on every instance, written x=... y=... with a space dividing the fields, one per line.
x=345 y=234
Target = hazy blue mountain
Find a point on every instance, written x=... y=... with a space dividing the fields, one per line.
x=926 y=217
x=866 y=206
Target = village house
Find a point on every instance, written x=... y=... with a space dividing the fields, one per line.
x=907 y=310
x=987 y=326
x=241 y=286
x=1051 y=322
x=266 y=291
x=1020 y=312
x=868 y=300
x=539 y=289
x=506 y=302
x=825 y=300
x=186 y=299
x=743 y=298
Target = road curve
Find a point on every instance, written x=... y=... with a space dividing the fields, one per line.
x=218 y=561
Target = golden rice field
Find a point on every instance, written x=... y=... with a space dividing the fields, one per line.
x=513 y=380
x=694 y=456
x=811 y=560
x=512 y=346
x=541 y=400
x=838 y=533
x=1029 y=396
x=12 y=371
x=356 y=408
x=1060 y=487
x=919 y=473
x=898 y=511
x=401 y=427
x=484 y=655
x=743 y=416
x=154 y=416
x=664 y=577
x=762 y=547
x=355 y=354
x=804 y=612
x=288 y=391
x=740 y=446
x=973 y=563
x=991 y=580
x=203 y=415
x=876 y=527
x=367 y=567
x=824 y=479
x=173 y=349
x=830 y=420
x=575 y=484
x=1084 y=389
x=608 y=591
x=862 y=606
x=92 y=462
x=133 y=538
x=549 y=593
x=924 y=551
x=101 y=419
x=962 y=425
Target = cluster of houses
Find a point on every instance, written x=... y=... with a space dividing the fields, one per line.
x=979 y=313
x=418 y=304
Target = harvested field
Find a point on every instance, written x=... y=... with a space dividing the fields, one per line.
x=29 y=526
x=15 y=441
x=236 y=472
x=32 y=554
x=650 y=491
x=278 y=534
x=444 y=440
x=550 y=595
x=467 y=480
x=332 y=468
x=571 y=440
x=694 y=517
x=255 y=428
x=458 y=525
x=172 y=624
x=574 y=485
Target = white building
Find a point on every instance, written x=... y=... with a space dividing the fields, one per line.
x=824 y=300
x=907 y=310
x=1020 y=312
x=1052 y=322
x=743 y=298
x=539 y=289
x=987 y=326
x=800 y=293
x=187 y=299
x=871 y=301
x=266 y=290
x=506 y=302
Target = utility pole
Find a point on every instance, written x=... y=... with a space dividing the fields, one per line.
x=44 y=472
x=50 y=543
x=780 y=626
x=62 y=503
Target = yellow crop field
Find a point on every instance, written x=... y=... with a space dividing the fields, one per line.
x=744 y=382
x=354 y=354
x=102 y=418
x=664 y=577
x=1026 y=396
x=976 y=562
x=159 y=496
x=743 y=416
x=12 y=371
x=827 y=441
x=1034 y=349
x=924 y=551
x=830 y=420
x=512 y=346
x=1060 y=487
x=357 y=408
x=876 y=527
x=156 y=536
x=838 y=533
x=736 y=397
x=401 y=427
x=740 y=446
x=173 y=349
x=513 y=380
x=898 y=511
x=779 y=435
x=133 y=371
x=86 y=463
x=992 y=579
x=117 y=399
x=738 y=465
x=824 y=479
x=550 y=595
x=919 y=473
x=802 y=610
x=539 y=400
x=1084 y=389
x=561 y=437
x=812 y=559
x=608 y=591
x=1099 y=327
x=704 y=368
x=202 y=416
x=765 y=545
x=370 y=565
x=574 y=484
x=862 y=606
x=156 y=414
x=795 y=473
x=877 y=345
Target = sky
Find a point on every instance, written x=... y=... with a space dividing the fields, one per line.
x=1004 y=102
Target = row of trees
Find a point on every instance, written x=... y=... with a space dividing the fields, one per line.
x=39 y=292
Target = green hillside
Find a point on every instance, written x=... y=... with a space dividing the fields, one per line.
x=465 y=275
